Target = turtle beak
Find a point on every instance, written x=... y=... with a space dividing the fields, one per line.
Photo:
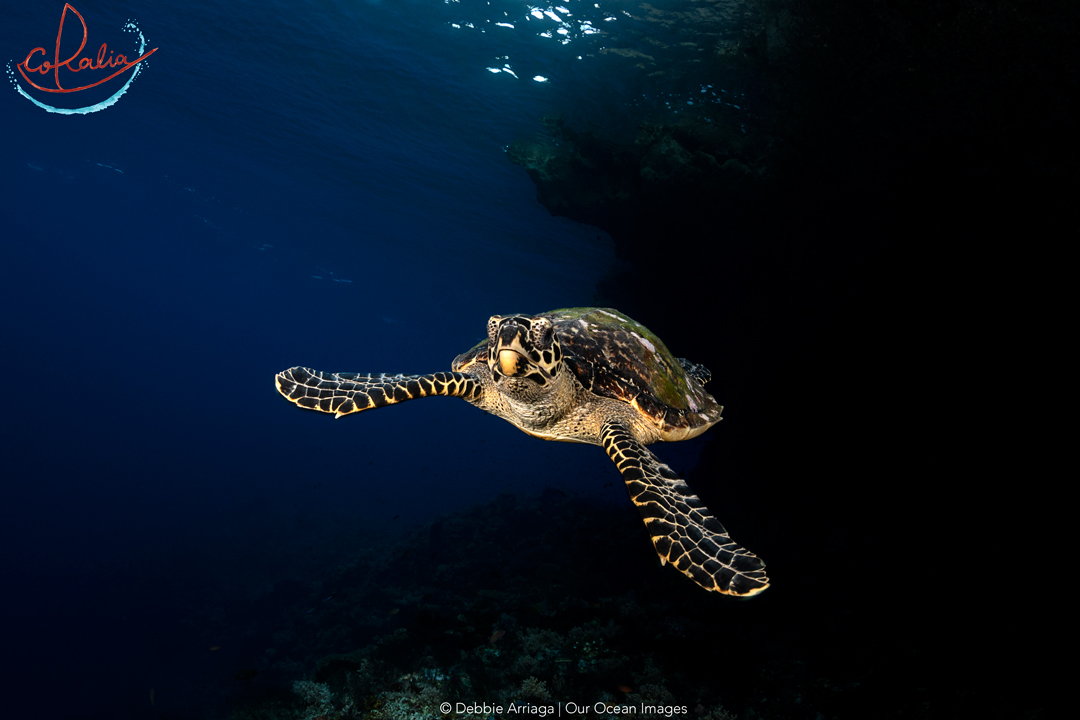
x=509 y=361
x=514 y=364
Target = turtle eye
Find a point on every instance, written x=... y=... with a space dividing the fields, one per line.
x=541 y=333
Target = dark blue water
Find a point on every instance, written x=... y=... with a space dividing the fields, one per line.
x=318 y=183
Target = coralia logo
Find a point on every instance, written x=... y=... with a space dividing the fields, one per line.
x=36 y=68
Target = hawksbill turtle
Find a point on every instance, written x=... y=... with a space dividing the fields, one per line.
x=588 y=375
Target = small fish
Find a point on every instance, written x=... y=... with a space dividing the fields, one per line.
x=495 y=636
x=562 y=660
x=214 y=647
x=625 y=689
x=245 y=674
x=151 y=696
x=395 y=611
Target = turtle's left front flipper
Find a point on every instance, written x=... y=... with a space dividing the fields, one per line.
x=682 y=529
x=344 y=393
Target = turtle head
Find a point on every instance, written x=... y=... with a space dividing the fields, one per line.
x=524 y=347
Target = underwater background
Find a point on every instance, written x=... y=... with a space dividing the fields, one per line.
x=843 y=210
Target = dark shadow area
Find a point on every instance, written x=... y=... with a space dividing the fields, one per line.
x=858 y=271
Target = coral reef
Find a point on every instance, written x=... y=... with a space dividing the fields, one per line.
x=482 y=624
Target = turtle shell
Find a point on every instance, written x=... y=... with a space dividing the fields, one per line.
x=616 y=357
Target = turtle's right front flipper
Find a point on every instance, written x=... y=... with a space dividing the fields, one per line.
x=344 y=393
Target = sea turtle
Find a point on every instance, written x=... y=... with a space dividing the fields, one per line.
x=589 y=375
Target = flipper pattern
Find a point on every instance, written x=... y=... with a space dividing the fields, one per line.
x=344 y=393
x=683 y=531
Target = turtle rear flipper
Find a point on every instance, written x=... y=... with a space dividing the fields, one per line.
x=683 y=531
x=344 y=393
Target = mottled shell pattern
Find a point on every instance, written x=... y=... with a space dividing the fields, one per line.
x=619 y=358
